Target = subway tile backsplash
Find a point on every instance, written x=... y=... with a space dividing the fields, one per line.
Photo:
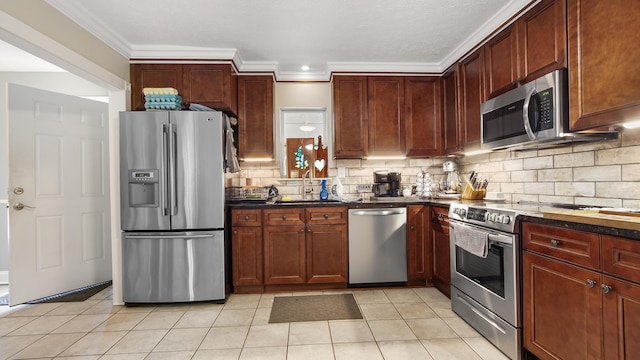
x=605 y=173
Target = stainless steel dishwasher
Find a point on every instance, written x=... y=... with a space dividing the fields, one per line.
x=377 y=245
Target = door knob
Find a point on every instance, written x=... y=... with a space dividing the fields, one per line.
x=20 y=206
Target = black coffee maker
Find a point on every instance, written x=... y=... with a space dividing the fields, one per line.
x=386 y=183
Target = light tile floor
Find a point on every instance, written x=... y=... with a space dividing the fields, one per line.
x=399 y=323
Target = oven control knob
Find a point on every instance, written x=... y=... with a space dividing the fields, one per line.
x=491 y=217
x=506 y=219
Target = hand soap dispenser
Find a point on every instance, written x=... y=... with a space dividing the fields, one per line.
x=324 y=194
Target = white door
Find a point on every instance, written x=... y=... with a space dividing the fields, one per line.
x=59 y=222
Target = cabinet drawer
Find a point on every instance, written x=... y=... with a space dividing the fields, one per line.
x=326 y=215
x=621 y=257
x=246 y=217
x=287 y=216
x=578 y=247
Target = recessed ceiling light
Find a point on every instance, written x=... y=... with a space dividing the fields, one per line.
x=304 y=67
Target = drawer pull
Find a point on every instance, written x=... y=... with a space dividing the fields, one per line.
x=605 y=288
x=301 y=230
x=591 y=283
x=326 y=216
x=284 y=217
x=246 y=218
x=555 y=243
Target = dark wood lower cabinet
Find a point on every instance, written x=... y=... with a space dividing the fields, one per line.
x=441 y=250
x=247 y=256
x=419 y=268
x=327 y=254
x=621 y=319
x=284 y=254
x=562 y=312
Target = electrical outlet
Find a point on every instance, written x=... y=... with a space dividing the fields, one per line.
x=362 y=188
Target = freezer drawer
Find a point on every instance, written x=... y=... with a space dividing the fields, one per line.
x=173 y=267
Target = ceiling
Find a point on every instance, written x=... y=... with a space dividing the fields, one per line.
x=279 y=36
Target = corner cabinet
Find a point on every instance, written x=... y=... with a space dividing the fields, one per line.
x=588 y=283
x=422 y=116
x=441 y=251
x=604 y=63
x=255 y=117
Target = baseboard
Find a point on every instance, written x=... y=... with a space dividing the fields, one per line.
x=4 y=277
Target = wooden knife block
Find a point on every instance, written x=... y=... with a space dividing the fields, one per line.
x=468 y=193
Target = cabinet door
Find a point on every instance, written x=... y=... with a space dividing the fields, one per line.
x=386 y=115
x=327 y=254
x=246 y=245
x=562 y=313
x=418 y=245
x=450 y=116
x=542 y=39
x=284 y=254
x=441 y=250
x=351 y=125
x=212 y=85
x=255 y=116
x=471 y=96
x=153 y=75
x=501 y=62
x=422 y=116
x=621 y=319
x=604 y=62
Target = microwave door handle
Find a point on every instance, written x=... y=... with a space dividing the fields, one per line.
x=525 y=113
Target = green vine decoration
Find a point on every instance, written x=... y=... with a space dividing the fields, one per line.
x=301 y=162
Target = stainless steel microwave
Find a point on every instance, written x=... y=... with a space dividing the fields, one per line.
x=534 y=112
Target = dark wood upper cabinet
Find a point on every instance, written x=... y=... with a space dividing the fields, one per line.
x=604 y=62
x=422 y=116
x=542 y=40
x=153 y=75
x=386 y=115
x=212 y=85
x=471 y=96
x=255 y=116
x=351 y=125
x=532 y=46
x=501 y=61
x=450 y=117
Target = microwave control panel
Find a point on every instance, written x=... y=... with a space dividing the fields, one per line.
x=545 y=109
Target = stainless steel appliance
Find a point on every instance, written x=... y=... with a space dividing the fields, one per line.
x=386 y=183
x=533 y=115
x=485 y=290
x=172 y=206
x=377 y=246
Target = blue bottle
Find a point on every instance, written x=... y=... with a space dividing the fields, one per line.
x=324 y=194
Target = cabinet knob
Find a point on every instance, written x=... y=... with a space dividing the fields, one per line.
x=440 y=217
x=284 y=217
x=513 y=83
x=412 y=227
x=591 y=283
x=555 y=243
x=235 y=232
x=301 y=230
x=326 y=216
x=605 y=288
x=246 y=218
x=520 y=80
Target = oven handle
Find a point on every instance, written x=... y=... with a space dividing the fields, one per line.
x=493 y=236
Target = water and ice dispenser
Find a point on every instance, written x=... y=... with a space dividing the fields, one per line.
x=144 y=188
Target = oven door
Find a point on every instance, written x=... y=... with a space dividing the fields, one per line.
x=490 y=281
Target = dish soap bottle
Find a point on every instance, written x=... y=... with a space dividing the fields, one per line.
x=324 y=194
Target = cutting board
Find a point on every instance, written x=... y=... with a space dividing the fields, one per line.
x=608 y=218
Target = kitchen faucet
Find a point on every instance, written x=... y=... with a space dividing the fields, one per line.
x=304 y=185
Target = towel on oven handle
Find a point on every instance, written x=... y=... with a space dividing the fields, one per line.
x=474 y=241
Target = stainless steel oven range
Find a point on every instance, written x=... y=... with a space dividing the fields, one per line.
x=485 y=285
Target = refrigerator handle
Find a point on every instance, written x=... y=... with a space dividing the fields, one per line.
x=168 y=236
x=164 y=192
x=173 y=146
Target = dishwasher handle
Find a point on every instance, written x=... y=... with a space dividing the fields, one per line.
x=377 y=212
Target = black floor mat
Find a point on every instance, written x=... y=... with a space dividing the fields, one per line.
x=77 y=295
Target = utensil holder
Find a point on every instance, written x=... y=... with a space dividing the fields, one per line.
x=468 y=193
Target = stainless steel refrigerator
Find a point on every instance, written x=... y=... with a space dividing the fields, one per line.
x=172 y=206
